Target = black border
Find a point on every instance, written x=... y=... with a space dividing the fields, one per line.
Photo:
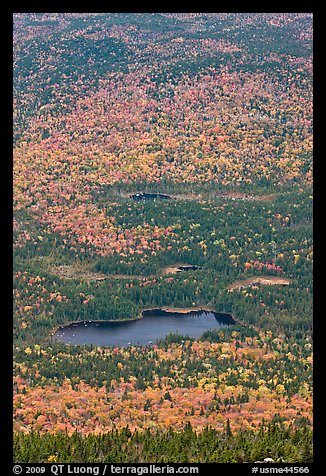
x=6 y=235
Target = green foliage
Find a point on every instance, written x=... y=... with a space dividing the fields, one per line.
x=209 y=446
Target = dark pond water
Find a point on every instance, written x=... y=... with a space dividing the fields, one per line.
x=189 y=267
x=142 y=196
x=155 y=325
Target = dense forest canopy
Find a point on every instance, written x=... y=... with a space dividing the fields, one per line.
x=215 y=111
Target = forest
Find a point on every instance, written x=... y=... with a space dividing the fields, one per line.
x=214 y=110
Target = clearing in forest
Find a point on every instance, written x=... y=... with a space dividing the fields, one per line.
x=267 y=280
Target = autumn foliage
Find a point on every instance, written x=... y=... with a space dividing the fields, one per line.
x=216 y=111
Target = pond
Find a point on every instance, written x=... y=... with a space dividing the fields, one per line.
x=154 y=325
x=142 y=196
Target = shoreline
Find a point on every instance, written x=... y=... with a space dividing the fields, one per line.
x=168 y=309
x=181 y=310
x=83 y=321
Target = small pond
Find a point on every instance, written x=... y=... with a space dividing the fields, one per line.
x=154 y=325
x=142 y=196
x=189 y=267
